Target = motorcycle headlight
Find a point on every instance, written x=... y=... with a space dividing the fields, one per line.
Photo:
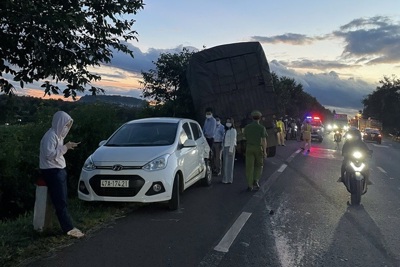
x=89 y=165
x=157 y=164
x=357 y=155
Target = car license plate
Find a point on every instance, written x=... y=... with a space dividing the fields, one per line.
x=372 y=135
x=114 y=183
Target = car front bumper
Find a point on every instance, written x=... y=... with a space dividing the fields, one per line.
x=140 y=184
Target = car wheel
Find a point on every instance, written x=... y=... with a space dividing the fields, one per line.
x=174 y=202
x=207 y=180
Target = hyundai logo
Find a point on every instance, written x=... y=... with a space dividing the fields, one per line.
x=117 y=167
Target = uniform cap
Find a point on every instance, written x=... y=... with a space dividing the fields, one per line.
x=256 y=113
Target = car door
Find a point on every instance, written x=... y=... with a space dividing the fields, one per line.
x=189 y=155
x=201 y=145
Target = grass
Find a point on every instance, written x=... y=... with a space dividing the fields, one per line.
x=20 y=243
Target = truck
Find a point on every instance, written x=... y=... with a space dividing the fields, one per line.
x=339 y=122
x=364 y=123
x=234 y=79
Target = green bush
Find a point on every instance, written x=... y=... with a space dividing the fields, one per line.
x=20 y=144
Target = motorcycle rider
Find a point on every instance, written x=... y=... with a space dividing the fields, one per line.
x=337 y=138
x=354 y=142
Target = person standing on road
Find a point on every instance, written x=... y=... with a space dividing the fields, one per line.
x=229 y=151
x=52 y=166
x=217 y=146
x=210 y=124
x=281 y=132
x=299 y=125
x=256 y=150
x=306 y=130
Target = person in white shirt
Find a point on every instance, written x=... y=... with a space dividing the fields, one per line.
x=52 y=166
x=229 y=151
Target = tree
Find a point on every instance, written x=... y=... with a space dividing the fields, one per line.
x=293 y=101
x=384 y=103
x=167 y=86
x=59 y=40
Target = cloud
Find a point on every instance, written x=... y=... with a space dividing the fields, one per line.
x=142 y=61
x=287 y=38
x=319 y=64
x=373 y=40
x=328 y=88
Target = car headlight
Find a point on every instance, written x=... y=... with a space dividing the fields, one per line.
x=157 y=164
x=346 y=128
x=89 y=165
x=335 y=126
x=329 y=127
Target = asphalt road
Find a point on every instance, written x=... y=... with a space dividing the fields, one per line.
x=300 y=217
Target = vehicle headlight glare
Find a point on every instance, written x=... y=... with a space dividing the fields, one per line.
x=157 y=164
x=89 y=165
x=357 y=169
x=357 y=154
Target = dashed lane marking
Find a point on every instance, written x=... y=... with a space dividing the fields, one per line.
x=282 y=168
x=382 y=170
x=229 y=237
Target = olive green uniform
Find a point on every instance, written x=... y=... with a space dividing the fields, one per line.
x=254 y=132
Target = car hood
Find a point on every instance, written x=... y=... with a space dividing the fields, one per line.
x=105 y=155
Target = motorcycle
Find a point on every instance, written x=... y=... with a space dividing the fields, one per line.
x=354 y=176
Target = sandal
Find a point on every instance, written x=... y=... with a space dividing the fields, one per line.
x=75 y=232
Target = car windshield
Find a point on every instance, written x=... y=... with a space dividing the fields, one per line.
x=316 y=123
x=144 y=134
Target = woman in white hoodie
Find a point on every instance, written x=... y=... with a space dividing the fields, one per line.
x=229 y=151
x=52 y=165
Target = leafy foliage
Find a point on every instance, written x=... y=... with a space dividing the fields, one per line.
x=167 y=86
x=384 y=103
x=19 y=154
x=59 y=40
x=293 y=101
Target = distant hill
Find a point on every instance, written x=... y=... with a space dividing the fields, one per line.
x=113 y=99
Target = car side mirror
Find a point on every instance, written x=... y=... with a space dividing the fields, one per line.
x=189 y=143
x=102 y=142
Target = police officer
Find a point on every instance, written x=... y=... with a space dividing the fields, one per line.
x=256 y=150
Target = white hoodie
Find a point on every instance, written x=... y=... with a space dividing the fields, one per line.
x=52 y=148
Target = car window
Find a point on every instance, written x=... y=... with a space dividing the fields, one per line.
x=196 y=130
x=144 y=134
x=186 y=128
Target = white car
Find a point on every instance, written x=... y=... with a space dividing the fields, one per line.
x=147 y=160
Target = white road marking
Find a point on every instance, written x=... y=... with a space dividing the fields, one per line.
x=229 y=237
x=282 y=168
x=382 y=170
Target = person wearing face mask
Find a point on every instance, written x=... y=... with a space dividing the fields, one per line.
x=210 y=124
x=217 y=146
x=229 y=150
x=52 y=166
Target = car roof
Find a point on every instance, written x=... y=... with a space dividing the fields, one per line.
x=160 y=119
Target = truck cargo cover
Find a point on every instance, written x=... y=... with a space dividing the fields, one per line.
x=233 y=79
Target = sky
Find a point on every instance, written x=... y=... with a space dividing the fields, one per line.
x=338 y=50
